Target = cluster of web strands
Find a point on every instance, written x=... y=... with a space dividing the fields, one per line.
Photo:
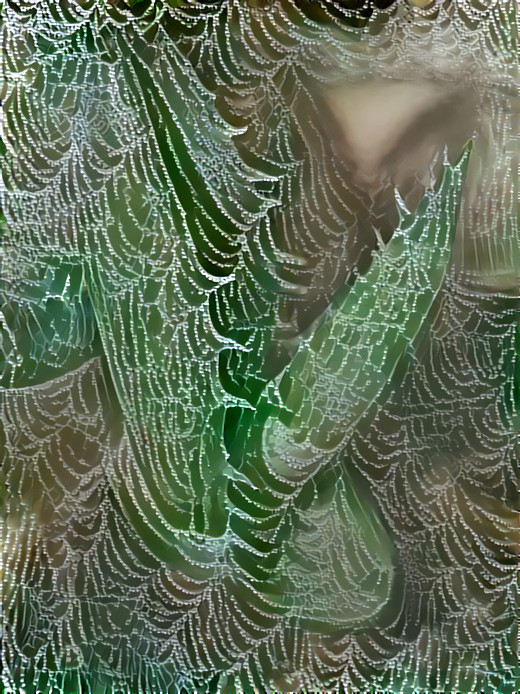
x=245 y=447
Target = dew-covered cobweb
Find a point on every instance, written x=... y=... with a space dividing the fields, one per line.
x=259 y=379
